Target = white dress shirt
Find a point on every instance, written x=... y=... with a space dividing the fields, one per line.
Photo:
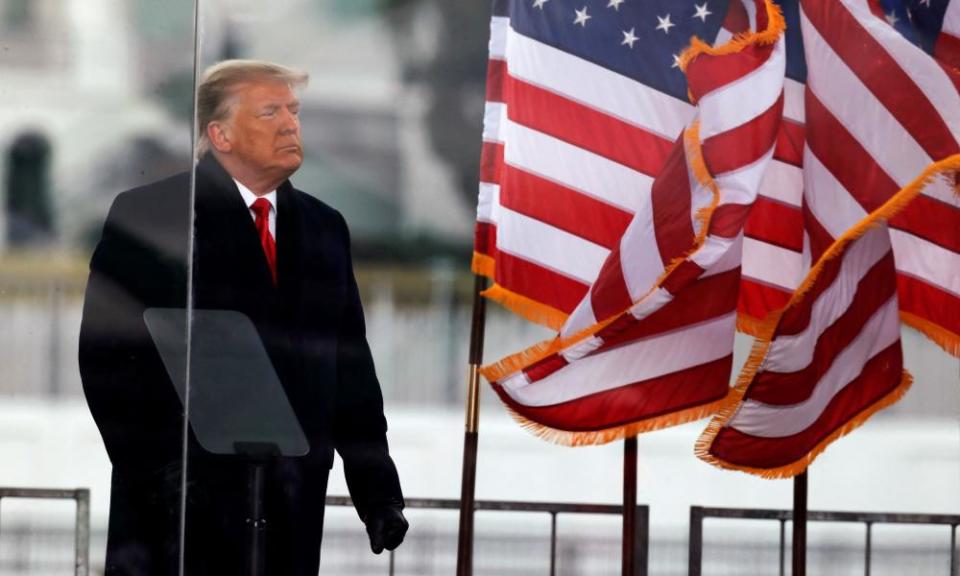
x=249 y=198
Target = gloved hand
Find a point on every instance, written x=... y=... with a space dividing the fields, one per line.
x=386 y=527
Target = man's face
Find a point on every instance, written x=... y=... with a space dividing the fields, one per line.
x=265 y=128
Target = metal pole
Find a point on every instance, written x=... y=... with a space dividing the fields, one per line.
x=695 y=545
x=642 y=541
x=953 y=550
x=470 y=436
x=800 y=524
x=783 y=552
x=868 y=549
x=629 y=567
x=82 y=535
x=553 y=544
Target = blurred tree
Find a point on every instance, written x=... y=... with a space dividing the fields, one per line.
x=28 y=203
x=451 y=68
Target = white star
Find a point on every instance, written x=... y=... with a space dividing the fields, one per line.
x=676 y=61
x=925 y=3
x=892 y=18
x=664 y=24
x=582 y=17
x=629 y=38
x=615 y=4
x=702 y=12
x=539 y=3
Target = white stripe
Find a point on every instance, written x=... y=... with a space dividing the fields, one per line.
x=769 y=421
x=923 y=70
x=487 y=201
x=795 y=352
x=713 y=250
x=783 y=182
x=494 y=116
x=770 y=264
x=547 y=246
x=729 y=261
x=596 y=87
x=499 y=25
x=575 y=168
x=832 y=205
x=740 y=186
x=582 y=317
x=951 y=20
x=634 y=362
x=793 y=107
x=927 y=261
x=751 y=7
x=655 y=301
x=738 y=102
x=640 y=254
x=723 y=36
x=858 y=110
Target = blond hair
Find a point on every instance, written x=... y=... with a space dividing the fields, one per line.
x=216 y=89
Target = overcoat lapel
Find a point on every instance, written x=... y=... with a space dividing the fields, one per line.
x=290 y=238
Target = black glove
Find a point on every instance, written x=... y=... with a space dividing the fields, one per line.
x=386 y=527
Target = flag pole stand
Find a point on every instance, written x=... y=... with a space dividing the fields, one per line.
x=470 y=436
x=800 y=524
x=629 y=557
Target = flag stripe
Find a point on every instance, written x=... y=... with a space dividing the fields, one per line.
x=544 y=285
x=645 y=399
x=874 y=383
x=757 y=255
x=795 y=365
x=744 y=144
x=670 y=200
x=924 y=300
x=775 y=223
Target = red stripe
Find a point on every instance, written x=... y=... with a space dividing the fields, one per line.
x=728 y=220
x=545 y=367
x=820 y=239
x=485 y=238
x=875 y=290
x=585 y=127
x=682 y=276
x=711 y=297
x=929 y=302
x=790 y=142
x=736 y=20
x=563 y=208
x=775 y=223
x=880 y=376
x=496 y=72
x=670 y=198
x=761 y=11
x=538 y=283
x=757 y=300
x=633 y=402
x=745 y=144
x=491 y=162
x=708 y=73
x=609 y=294
x=947 y=49
x=865 y=180
x=880 y=73
x=953 y=72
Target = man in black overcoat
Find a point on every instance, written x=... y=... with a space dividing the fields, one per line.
x=278 y=255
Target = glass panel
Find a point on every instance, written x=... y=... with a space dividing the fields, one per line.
x=90 y=108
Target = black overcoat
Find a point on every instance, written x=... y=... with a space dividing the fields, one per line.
x=312 y=325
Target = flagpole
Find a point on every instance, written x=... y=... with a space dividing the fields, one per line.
x=471 y=432
x=800 y=524
x=629 y=560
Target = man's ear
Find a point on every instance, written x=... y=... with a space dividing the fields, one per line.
x=219 y=137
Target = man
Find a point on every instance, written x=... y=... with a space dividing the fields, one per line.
x=279 y=256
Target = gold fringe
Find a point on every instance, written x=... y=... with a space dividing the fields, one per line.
x=527 y=308
x=592 y=438
x=483 y=265
x=944 y=338
x=765 y=330
x=751 y=325
x=776 y=24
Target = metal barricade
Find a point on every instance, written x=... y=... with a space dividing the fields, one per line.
x=641 y=542
x=868 y=519
x=82 y=531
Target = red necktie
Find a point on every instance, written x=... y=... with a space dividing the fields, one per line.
x=261 y=208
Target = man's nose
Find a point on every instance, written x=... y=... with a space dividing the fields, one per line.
x=290 y=122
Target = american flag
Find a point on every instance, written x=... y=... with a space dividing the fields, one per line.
x=595 y=217
x=880 y=215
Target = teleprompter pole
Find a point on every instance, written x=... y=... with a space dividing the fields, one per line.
x=629 y=556
x=470 y=436
x=800 y=525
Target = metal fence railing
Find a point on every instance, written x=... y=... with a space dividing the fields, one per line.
x=698 y=514
x=81 y=559
x=552 y=509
